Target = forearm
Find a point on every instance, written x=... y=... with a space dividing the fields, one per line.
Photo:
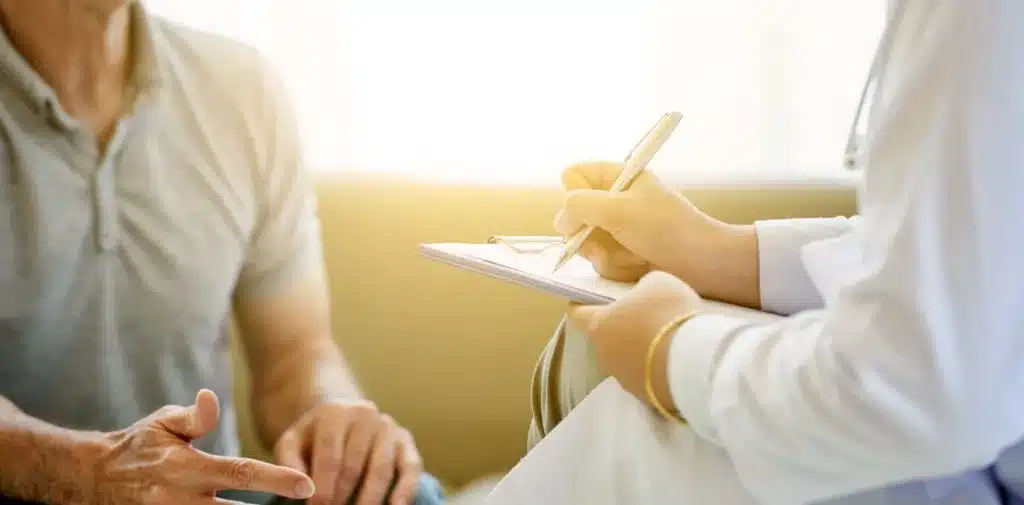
x=295 y=382
x=728 y=270
x=41 y=462
x=759 y=265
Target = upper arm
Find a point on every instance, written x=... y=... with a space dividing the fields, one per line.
x=281 y=297
x=284 y=329
x=285 y=243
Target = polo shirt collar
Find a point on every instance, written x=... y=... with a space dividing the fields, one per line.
x=146 y=76
x=148 y=73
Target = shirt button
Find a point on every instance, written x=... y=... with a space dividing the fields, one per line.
x=107 y=241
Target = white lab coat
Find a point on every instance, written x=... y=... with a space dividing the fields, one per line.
x=897 y=380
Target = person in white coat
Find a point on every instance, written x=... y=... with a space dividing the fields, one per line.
x=897 y=377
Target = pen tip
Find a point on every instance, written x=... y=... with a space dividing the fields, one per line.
x=559 y=264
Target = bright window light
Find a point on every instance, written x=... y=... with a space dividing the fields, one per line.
x=511 y=91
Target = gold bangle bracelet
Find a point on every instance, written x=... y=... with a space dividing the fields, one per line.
x=648 y=368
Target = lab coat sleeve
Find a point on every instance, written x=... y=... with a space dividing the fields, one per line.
x=913 y=368
x=786 y=287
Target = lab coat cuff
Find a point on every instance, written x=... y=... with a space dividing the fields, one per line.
x=786 y=288
x=692 y=354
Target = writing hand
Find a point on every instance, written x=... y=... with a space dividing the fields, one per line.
x=648 y=226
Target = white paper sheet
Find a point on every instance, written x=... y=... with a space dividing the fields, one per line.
x=576 y=281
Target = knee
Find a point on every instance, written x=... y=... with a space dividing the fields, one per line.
x=566 y=372
x=430 y=492
x=578 y=371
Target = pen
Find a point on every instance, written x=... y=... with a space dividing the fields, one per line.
x=634 y=165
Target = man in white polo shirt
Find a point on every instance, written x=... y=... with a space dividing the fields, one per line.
x=150 y=185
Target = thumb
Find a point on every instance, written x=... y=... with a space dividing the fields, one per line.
x=196 y=420
x=584 y=317
x=658 y=284
x=595 y=208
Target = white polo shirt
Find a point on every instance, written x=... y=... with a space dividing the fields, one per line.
x=118 y=268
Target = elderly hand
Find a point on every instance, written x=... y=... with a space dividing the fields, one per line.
x=649 y=226
x=153 y=463
x=350 y=445
x=622 y=331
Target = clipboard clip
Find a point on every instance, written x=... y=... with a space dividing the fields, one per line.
x=524 y=244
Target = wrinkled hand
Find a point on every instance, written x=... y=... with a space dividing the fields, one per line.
x=350 y=446
x=649 y=226
x=154 y=463
x=622 y=331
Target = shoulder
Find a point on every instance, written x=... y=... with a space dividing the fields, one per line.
x=196 y=51
x=228 y=88
x=208 y=66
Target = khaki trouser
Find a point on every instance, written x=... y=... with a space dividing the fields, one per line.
x=566 y=372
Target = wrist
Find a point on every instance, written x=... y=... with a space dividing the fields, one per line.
x=656 y=381
x=76 y=476
x=659 y=376
x=59 y=466
x=723 y=264
x=283 y=409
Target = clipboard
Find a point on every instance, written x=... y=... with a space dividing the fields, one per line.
x=527 y=261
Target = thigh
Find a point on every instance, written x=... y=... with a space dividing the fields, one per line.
x=566 y=373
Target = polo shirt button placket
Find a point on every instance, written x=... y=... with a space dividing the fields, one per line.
x=106 y=209
x=108 y=237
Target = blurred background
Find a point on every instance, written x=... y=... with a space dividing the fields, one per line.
x=510 y=91
x=451 y=120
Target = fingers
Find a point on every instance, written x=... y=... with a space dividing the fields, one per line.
x=659 y=278
x=591 y=175
x=585 y=317
x=659 y=293
x=611 y=260
x=621 y=273
x=327 y=458
x=357 y=454
x=207 y=410
x=665 y=288
x=660 y=283
x=216 y=473
x=410 y=466
x=289 y=451
x=194 y=421
x=591 y=207
x=380 y=470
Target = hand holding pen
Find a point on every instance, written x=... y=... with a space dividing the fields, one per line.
x=632 y=168
x=652 y=226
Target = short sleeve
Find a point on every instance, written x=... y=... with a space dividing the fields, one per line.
x=285 y=245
